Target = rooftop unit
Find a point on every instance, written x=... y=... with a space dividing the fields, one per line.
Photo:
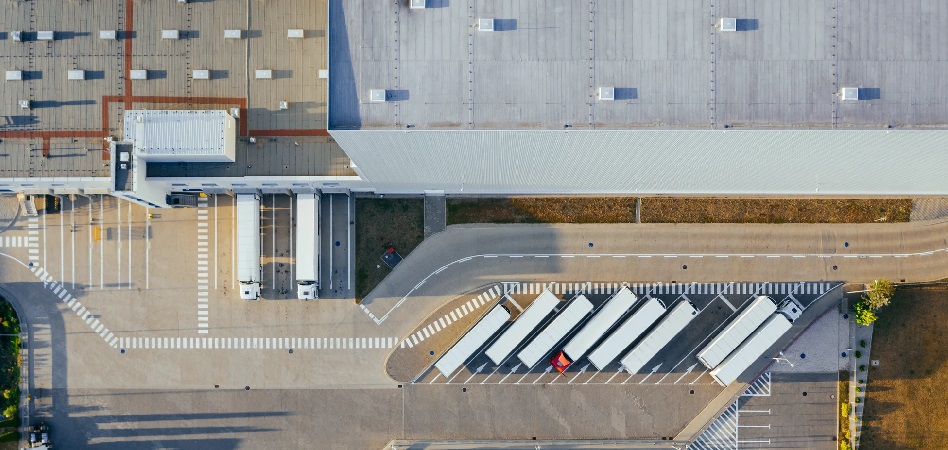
x=16 y=36
x=181 y=136
x=201 y=74
x=727 y=24
x=138 y=74
x=14 y=75
x=418 y=4
x=263 y=74
x=376 y=95
x=170 y=34
x=485 y=24
x=109 y=35
x=233 y=34
x=294 y=34
x=24 y=104
x=849 y=93
x=607 y=93
x=45 y=35
x=77 y=75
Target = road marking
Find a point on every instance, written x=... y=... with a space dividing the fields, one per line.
x=118 y=245
x=203 y=319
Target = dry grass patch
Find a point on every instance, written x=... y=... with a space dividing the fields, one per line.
x=541 y=210
x=907 y=403
x=380 y=222
x=721 y=210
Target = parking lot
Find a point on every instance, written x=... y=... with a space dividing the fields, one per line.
x=676 y=364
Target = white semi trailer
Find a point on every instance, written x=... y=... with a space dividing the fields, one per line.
x=307 y=246
x=248 y=245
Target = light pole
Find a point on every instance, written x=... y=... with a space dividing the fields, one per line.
x=780 y=358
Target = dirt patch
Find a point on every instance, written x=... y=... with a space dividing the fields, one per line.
x=675 y=210
x=541 y=210
x=906 y=401
x=379 y=223
x=722 y=210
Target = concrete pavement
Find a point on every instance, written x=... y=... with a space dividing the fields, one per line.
x=139 y=283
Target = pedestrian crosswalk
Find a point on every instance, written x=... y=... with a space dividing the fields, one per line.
x=256 y=343
x=84 y=313
x=202 y=270
x=781 y=288
x=442 y=322
x=19 y=241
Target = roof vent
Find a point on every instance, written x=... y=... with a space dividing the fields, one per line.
x=138 y=74
x=849 y=93
x=263 y=74
x=418 y=4
x=728 y=24
x=201 y=74
x=24 y=104
x=170 y=34
x=284 y=104
x=323 y=73
x=45 y=35
x=77 y=75
x=109 y=35
x=14 y=75
x=233 y=34
x=376 y=95
x=485 y=24
x=607 y=93
x=294 y=34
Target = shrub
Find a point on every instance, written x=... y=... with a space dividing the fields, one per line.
x=858 y=400
x=844 y=444
x=10 y=411
x=861 y=381
x=862 y=343
x=858 y=389
x=862 y=367
x=844 y=409
x=858 y=354
x=864 y=314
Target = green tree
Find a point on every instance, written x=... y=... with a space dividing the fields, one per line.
x=879 y=293
x=864 y=313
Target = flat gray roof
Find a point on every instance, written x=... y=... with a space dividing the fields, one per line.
x=671 y=67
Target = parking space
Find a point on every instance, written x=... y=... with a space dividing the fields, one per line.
x=676 y=364
x=337 y=234
x=277 y=244
x=777 y=410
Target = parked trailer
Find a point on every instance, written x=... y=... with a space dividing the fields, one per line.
x=737 y=331
x=248 y=245
x=752 y=349
x=672 y=324
x=473 y=340
x=564 y=322
x=630 y=330
x=527 y=322
x=307 y=246
x=607 y=316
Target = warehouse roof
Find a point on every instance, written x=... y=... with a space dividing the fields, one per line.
x=669 y=64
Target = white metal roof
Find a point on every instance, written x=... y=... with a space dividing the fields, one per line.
x=554 y=332
x=759 y=162
x=527 y=322
x=627 y=333
x=474 y=339
x=753 y=348
x=739 y=329
x=176 y=136
x=605 y=318
x=660 y=336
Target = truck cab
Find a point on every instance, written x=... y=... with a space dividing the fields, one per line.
x=307 y=290
x=249 y=291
